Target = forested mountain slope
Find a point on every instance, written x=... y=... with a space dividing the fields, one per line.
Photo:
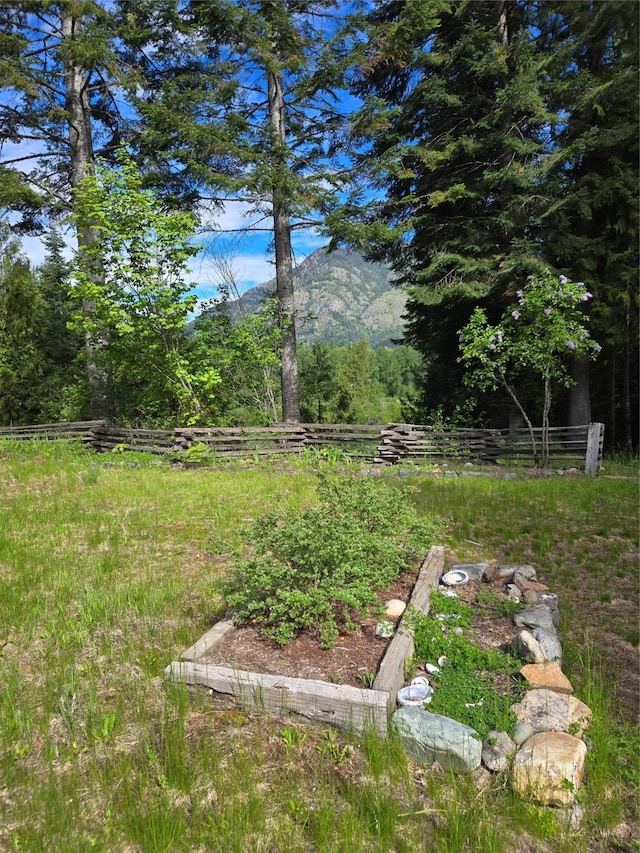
x=340 y=299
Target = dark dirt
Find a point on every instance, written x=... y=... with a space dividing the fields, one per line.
x=356 y=654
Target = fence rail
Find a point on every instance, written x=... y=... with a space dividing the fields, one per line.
x=391 y=444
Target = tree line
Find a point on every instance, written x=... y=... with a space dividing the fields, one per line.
x=474 y=147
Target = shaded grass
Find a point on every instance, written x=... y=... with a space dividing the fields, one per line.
x=110 y=566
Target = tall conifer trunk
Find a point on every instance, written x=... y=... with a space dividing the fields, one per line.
x=283 y=254
x=82 y=164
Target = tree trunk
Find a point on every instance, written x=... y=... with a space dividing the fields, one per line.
x=284 y=263
x=82 y=163
x=579 y=397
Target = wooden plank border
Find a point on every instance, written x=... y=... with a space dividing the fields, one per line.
x=314 y=700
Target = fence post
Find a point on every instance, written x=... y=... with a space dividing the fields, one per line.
x=594 y=444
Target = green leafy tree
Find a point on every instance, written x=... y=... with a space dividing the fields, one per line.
x=535 y=335
x=246 y=352
x=143 y=296
x=60 y=68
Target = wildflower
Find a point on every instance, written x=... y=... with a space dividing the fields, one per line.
x=597 y=347
x=586 y=296
x=499 y=337
x=519 y=294
x=547 y=311
x=563 y=279
x=571 y=345
x=580 y=284
x=515 y=315
x=492 y=347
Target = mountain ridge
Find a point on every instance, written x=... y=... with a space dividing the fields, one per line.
x=340 y=298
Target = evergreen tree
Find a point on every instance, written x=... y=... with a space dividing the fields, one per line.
x=58 y=78
x=591 y=181
x=454 y=129
x=247 y=84
x=22 y=313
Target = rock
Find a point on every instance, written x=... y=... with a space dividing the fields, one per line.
x=507 y=573
x=549 y=643
x=458 y=631
x=547 y=711
x=550 y=599
x=432 y=737
x=548 y=768
x=527 y=647
x=482 y=779
x=547 y=676
x=537 y=617
x=394 y=608
x=385 y=629
x=522 y=732
x=513 y=591
x=475 y=571
x=524 y=585
x=497 y=749
x=530 y=597
x=571 y=817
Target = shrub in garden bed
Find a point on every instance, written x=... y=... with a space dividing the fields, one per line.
x=319 y=569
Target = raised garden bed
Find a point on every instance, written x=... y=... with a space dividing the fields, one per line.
x=314 y=699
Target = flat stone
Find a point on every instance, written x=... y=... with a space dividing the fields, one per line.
x=547 y=676
x=527 y=647
x=431 y=737
x=550 y=643
x=525 y=585
x=497 y=750
x=548 y=768
x=475 y=571
x=394 y=608
x=522 y=732
x=537 y=617
x=548 y=711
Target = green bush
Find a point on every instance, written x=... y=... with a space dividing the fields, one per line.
x=320 y=568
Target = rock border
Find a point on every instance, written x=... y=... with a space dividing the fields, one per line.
x=545 y=760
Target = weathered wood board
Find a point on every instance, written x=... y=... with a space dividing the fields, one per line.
x=314 y=700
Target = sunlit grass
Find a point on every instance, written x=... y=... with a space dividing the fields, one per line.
x=110 y=567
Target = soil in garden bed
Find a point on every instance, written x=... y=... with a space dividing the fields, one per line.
x=356 y=654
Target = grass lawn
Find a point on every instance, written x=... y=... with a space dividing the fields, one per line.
x=110 y=566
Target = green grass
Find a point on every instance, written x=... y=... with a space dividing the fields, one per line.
x=111 y=565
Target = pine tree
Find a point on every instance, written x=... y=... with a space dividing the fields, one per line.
x=591 y=180
x=246 y=85
x=453 y=128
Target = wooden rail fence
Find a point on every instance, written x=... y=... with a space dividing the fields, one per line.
x=578 y=446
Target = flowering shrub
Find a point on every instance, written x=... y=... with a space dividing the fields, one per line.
x=547 y=325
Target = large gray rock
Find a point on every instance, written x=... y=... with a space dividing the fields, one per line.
x=537 y=617
x=474 y=570
x=548 y=711
x=548 y=768
x=550 y=643
x=431 y=737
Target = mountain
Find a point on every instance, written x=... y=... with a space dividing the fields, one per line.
x=340 y=299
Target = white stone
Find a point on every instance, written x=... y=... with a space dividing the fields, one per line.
x=394 y=608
